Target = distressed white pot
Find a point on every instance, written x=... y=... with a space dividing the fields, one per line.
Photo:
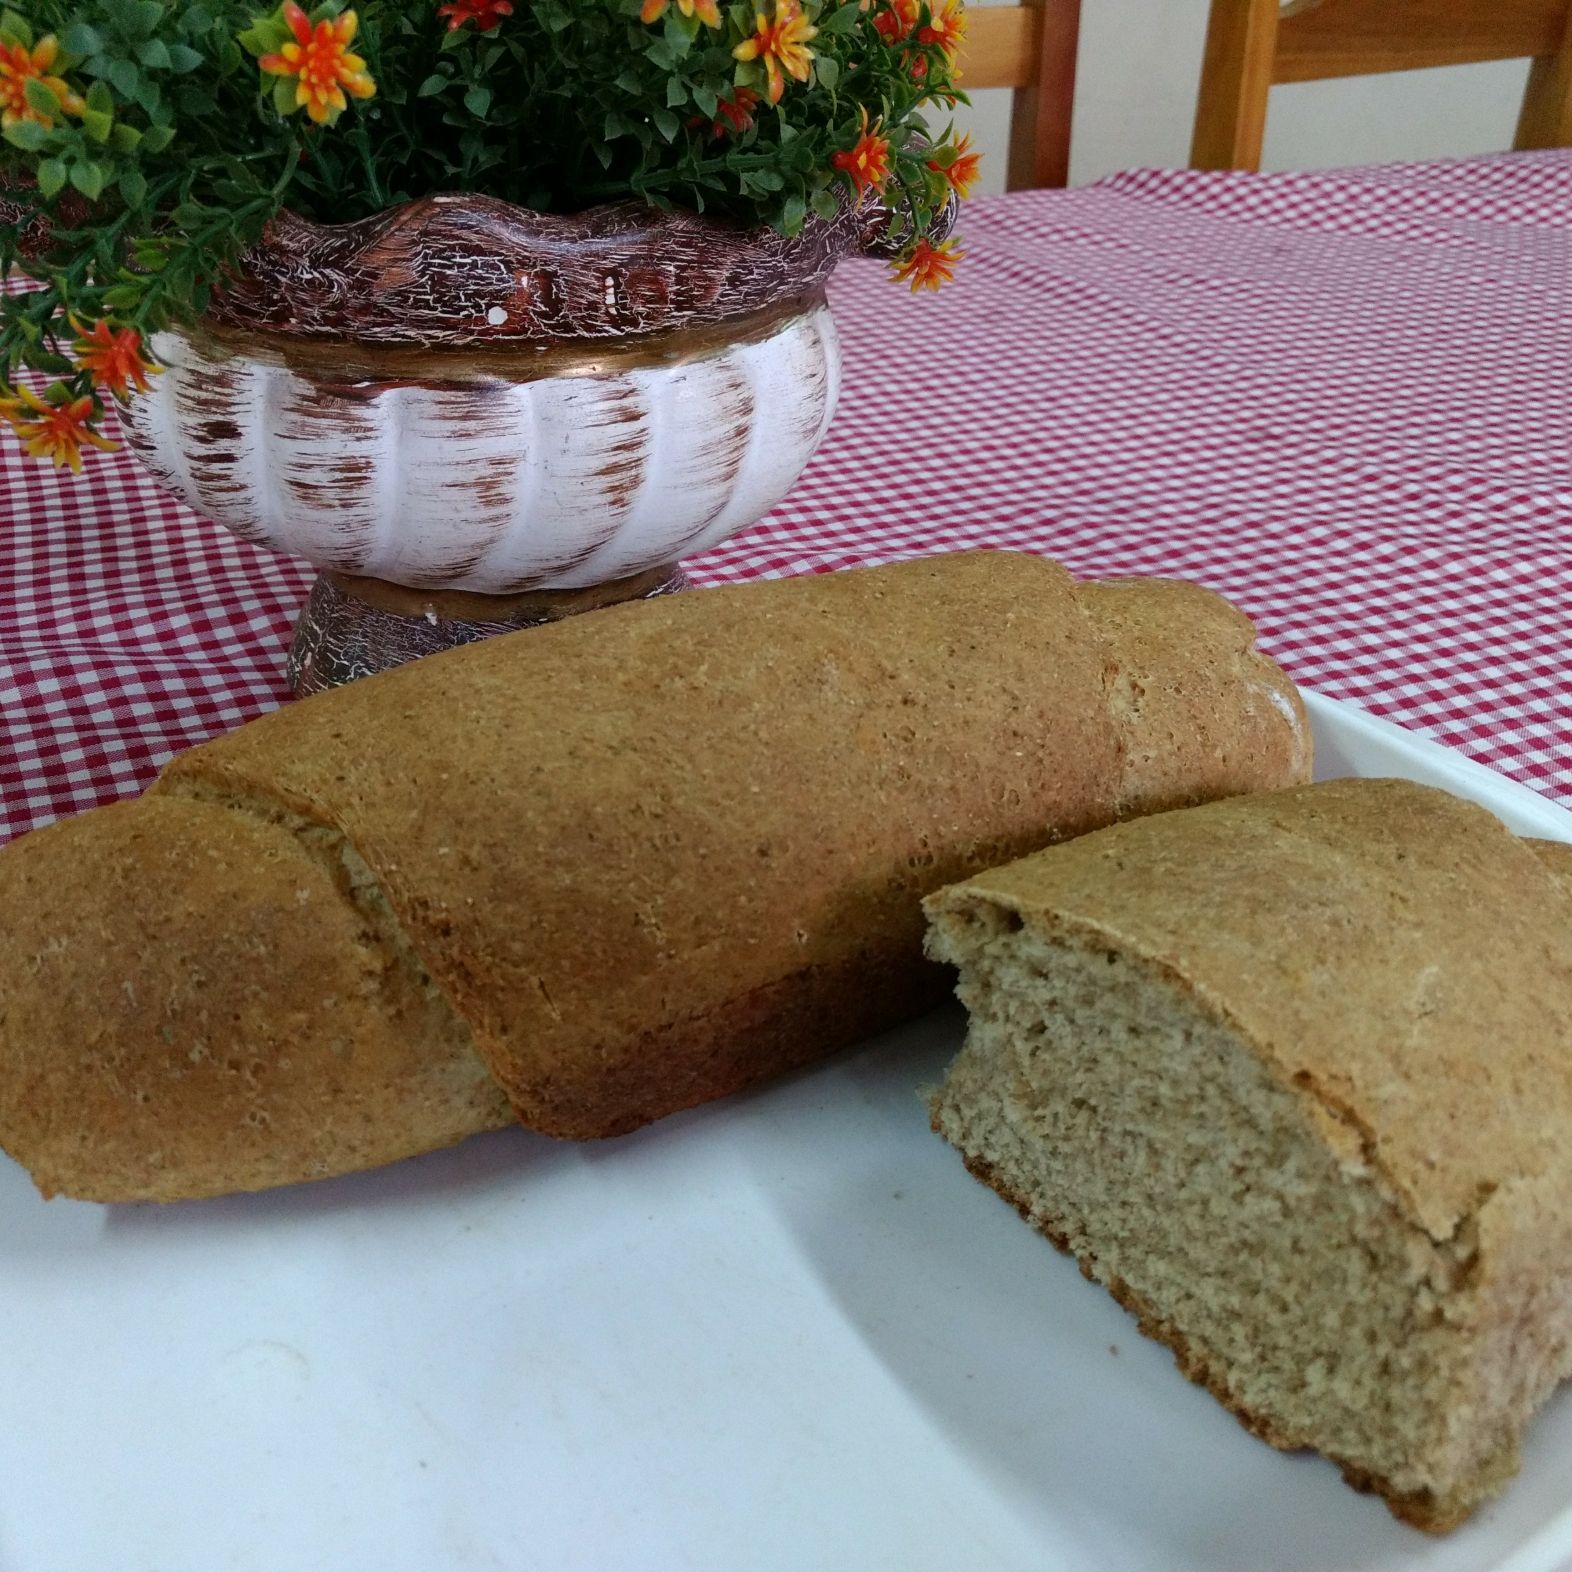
x=474 y=418
x=490 y=474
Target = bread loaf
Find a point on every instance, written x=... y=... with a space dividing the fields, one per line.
x=1292 y=1076
x=588 y=874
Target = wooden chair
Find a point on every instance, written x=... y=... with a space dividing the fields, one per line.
x=1030 y=48
x=1252 y=44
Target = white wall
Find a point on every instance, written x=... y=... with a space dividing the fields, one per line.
x=1135 y=103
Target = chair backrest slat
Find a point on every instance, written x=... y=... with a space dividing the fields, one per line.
x=1030 y=48
x=1317 y=39
x=1252 y=44
x=1001 y=46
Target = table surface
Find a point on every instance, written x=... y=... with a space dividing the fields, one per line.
x=1340 y=398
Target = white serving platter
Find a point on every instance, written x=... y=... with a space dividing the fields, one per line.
x=786 y=1333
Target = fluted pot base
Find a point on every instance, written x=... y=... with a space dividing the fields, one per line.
x=351 y=627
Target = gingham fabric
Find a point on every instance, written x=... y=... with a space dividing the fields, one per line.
x=1343 y=399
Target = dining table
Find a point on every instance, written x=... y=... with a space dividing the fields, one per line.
x=1342 y=398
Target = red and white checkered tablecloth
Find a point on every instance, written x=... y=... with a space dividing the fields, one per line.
x=1344 y=399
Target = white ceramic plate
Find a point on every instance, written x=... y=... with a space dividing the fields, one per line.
x=783 y=1334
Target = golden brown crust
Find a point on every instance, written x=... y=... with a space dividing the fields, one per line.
x=1556 y=855
x=1420 y=1509
x=1202 y=713
x=1325 y=924
x=709 y=796
x=194 y=1006
x=649 y=856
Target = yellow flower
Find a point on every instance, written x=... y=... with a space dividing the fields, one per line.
x=782 y=44
x=20 y=65
x=706 y=10
x=319 y=56
x=54 y=431
x=927 y=266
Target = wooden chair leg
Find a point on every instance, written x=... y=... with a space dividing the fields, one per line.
x=1040 y=119
x=1546 y=120
x=1236 y=79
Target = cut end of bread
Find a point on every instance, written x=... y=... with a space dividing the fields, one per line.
x=1235 y=1216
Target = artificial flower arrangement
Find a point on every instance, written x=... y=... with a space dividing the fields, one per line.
x=148 y=143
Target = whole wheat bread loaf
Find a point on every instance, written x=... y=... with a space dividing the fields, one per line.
x=1292 y=1076
x=588 y=874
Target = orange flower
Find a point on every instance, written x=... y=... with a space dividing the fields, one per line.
x=962 y=170
x=485 y=14
x=54 y=431
x=867 y=162
x=734 y=114
x=113 y=360
x=782 y=44
x=706 y=11
x=20 y=65
x=896 y=19
x=320 y=58
x=946 y=27
x=927 y=266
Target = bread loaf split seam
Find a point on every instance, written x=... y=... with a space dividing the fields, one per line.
x=588 y=874
x=1291 y=1076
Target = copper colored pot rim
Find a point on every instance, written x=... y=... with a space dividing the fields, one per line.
x=468 y=269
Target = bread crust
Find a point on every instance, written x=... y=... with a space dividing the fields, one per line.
x=1322 y=922
x=633 y=861
x=1400 y=965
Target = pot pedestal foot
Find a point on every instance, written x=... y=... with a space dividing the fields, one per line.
x=352 y=627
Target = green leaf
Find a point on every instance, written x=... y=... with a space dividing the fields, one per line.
x=124 y=138
x=825 y=203
x=285 y=89
x=827 y=71
x=793 y=214
x=100 y=98
x=15 y=28
x=676 y=93
x=843 y=19
x=88 y=179
x=156 y=138
x=50 y=364
x=133 y=187
x=124 y=78
x=40 y=98
x=154 y=54
x=182 y=58
x=27 y=135
x=666 y=123
x=51 y=176
x=123 y=297
x=97 y=125
x=140 y=18
x=478 y=101
x=432 y=85
x=265 y=36
x=80 y=39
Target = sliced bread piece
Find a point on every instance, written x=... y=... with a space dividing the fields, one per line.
x=1291 y=1075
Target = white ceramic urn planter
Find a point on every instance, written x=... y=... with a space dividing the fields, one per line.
x=473 y=418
